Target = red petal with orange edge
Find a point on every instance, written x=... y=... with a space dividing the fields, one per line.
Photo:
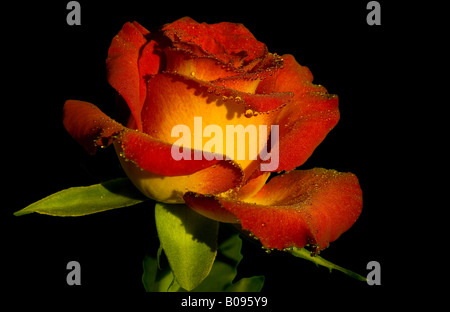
x=291 y=78
x=216 y=179
x=201 y=67
x=169 y=92
x=122 y=66
x=189 y=98
x=300 y=135
x=306 y=120
x=210 y=207
x=229 y=42
x=295 y=209
x=155 y=156
x=92 y=128
x=89 y=125
x=149 y=62
x=141 y=28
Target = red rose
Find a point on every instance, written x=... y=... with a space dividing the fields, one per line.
x=220 y=75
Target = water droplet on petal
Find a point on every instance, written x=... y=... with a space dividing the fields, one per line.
x=248 y=113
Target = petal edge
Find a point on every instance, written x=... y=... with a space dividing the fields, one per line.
x=309 y=207
x=88 y=125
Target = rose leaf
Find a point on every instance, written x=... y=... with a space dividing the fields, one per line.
x=224 y=270
x=189 y=241
x=221 y=277
x=84 y=200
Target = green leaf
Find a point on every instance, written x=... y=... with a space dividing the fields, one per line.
x=221 y=277
x=248 y=284
x=189 y=241
x=305 y=254
x=80 y=201
x=156 y=279
x=224 y=271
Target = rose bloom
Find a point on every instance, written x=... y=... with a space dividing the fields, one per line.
x=221 y=73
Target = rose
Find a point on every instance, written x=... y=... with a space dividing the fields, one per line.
x=221 y=73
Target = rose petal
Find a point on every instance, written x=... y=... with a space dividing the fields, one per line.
x=210 y=68
x=229 y=42
x=299 y=137
x=252 y=186
x=191 y=98
x=149 y=62
x=245 y=82
x=89 y=125
x=210 y=207
x=306 y=120
x=266 y=66
x=156 y=156
x=92 y=128
x=194 y=98
x=291 y=78
x=201 y=67
x=292 y=210
x=180 y=99
x=123 y=66
x=141 y=28
x=216 y=179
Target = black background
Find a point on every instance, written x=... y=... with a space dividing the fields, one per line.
x=53 y=62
